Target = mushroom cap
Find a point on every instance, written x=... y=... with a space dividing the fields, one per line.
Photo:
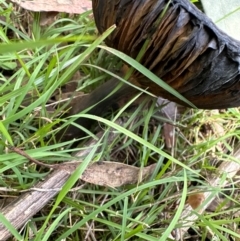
x=185 y=49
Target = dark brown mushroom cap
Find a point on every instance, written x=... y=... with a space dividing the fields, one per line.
x=186 y=49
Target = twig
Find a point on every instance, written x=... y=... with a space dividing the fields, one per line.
x=23 y=208
x=24 y=154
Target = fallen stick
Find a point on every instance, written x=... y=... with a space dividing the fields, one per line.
x=23 y=208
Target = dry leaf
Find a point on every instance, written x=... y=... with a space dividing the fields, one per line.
x=115 y=174
x=169 y=111
x=195 y=200
x=66 y=6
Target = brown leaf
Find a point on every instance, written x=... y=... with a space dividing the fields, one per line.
x=66 y=6
x=115 y=174
x=195 y=200
x=169 y=111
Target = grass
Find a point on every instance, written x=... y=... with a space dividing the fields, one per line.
x=33 y=75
